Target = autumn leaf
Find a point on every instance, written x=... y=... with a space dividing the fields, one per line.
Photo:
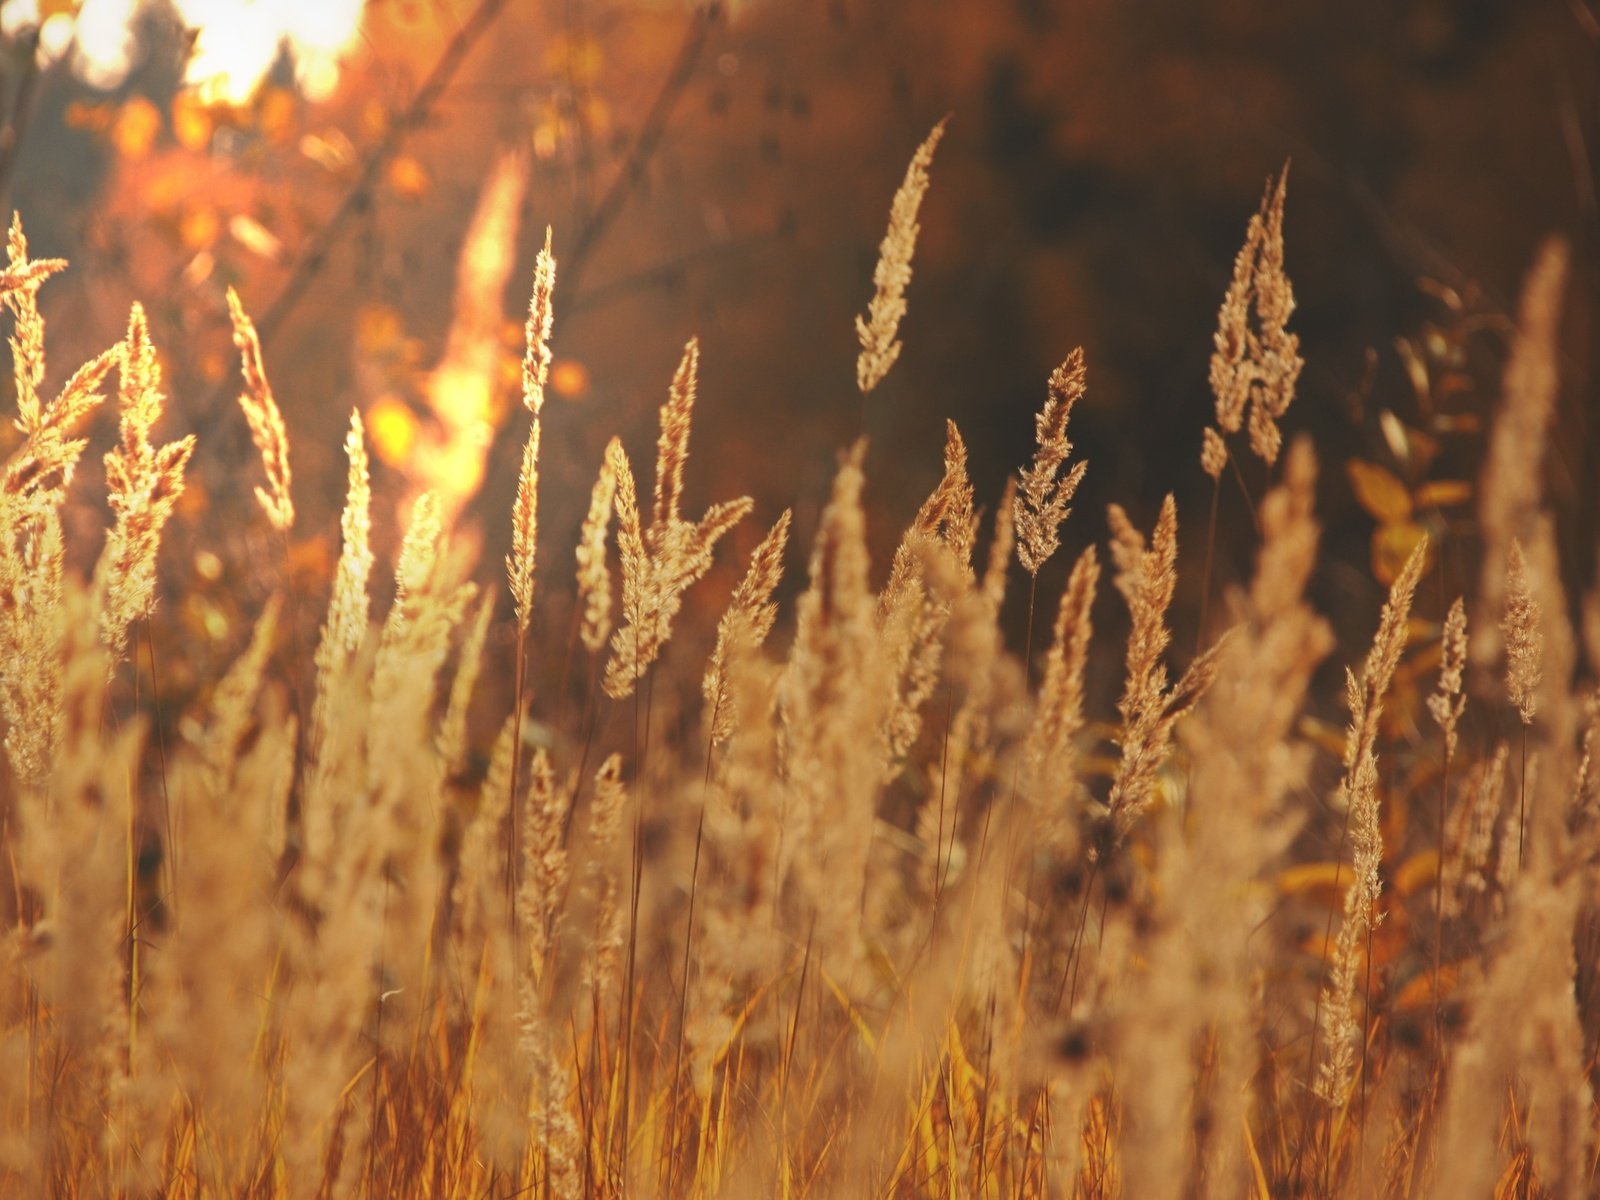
x=1383 y=496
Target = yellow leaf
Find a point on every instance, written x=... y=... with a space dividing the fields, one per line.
x=1392 y=546
x=1383 y=496
x=1442 y=493
x=254 y=236
x=1317 y=877
x=1416 y=872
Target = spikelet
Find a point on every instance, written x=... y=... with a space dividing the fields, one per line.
x=536 y=355
x=1471 y=836
x=20 y=291
x=878 y=329
x=1255 y=364
x=1049 y=753
x=350 y=608
x=1358 y=790
x=453 y=729
x=521 y=561
x=912 y=612
x=602 y=875
x=1524 y=640
x=594 y=572
x=33 y=484
x=1509 y=496
x=1042 y=501
x=1146 y=577
x=672 y=446
x=541 y=896
x=1447 y=702
x=265 y=421
x=660 y=563
x=831 y=699
x=143 y=483
x=744 y=626
x=234 y=701
x=1207 y=900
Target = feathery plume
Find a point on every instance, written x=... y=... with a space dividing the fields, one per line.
x=19 y=289
x=1524 y=641
x=744 y=626
x=1359 y=792
x=877 y=331
x=1060 y=716
x=1471 y=839
x=1447 y=702
x=1509 y=496
x=1146 y=578
x=672 y=447
x=594 y=573
x=1255 y=364
x=1042 y=501
x=536 y=356
x=521 y=561
x=660 y=563
x=143 y=483
x=234 y=701
x=349 y=611
x=265 y=421
x=453 y=729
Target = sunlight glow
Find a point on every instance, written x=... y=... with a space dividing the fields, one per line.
x=236 y=42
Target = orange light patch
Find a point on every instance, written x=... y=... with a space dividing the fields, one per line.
x=393 y=430
x=569 y=379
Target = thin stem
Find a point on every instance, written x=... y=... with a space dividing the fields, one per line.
x=1205 y=575
x=1522 y=789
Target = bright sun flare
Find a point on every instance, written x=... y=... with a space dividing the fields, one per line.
x=236 y=42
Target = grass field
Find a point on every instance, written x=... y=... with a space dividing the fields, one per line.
x=894 y=912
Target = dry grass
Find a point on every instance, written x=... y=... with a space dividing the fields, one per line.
x=884 y=918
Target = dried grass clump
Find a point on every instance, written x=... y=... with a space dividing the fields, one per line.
x=1256 y=361
x=860 y=904
x=878 y=330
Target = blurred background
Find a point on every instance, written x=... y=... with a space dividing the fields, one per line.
x=726 y=172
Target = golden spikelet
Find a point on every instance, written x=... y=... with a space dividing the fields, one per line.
x=143 y=483
x=1447 y=702
x=453 y=729
x=744 y=626
x=1060 y=715
x=1337 y=1015
x=1255 y=363
x=660 y=563
x=541 y=312
x=521 y=561
x=594 y=572
x=1146 y=577
x=19 y=289
x=542 y=894
x=350 y=608
x=877 y=330
x=672 y=447
x=1042 y=501
x=265 y=421
x=234 y=701
x=1524 y=640
x=602 y=877
x=1510 y=495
